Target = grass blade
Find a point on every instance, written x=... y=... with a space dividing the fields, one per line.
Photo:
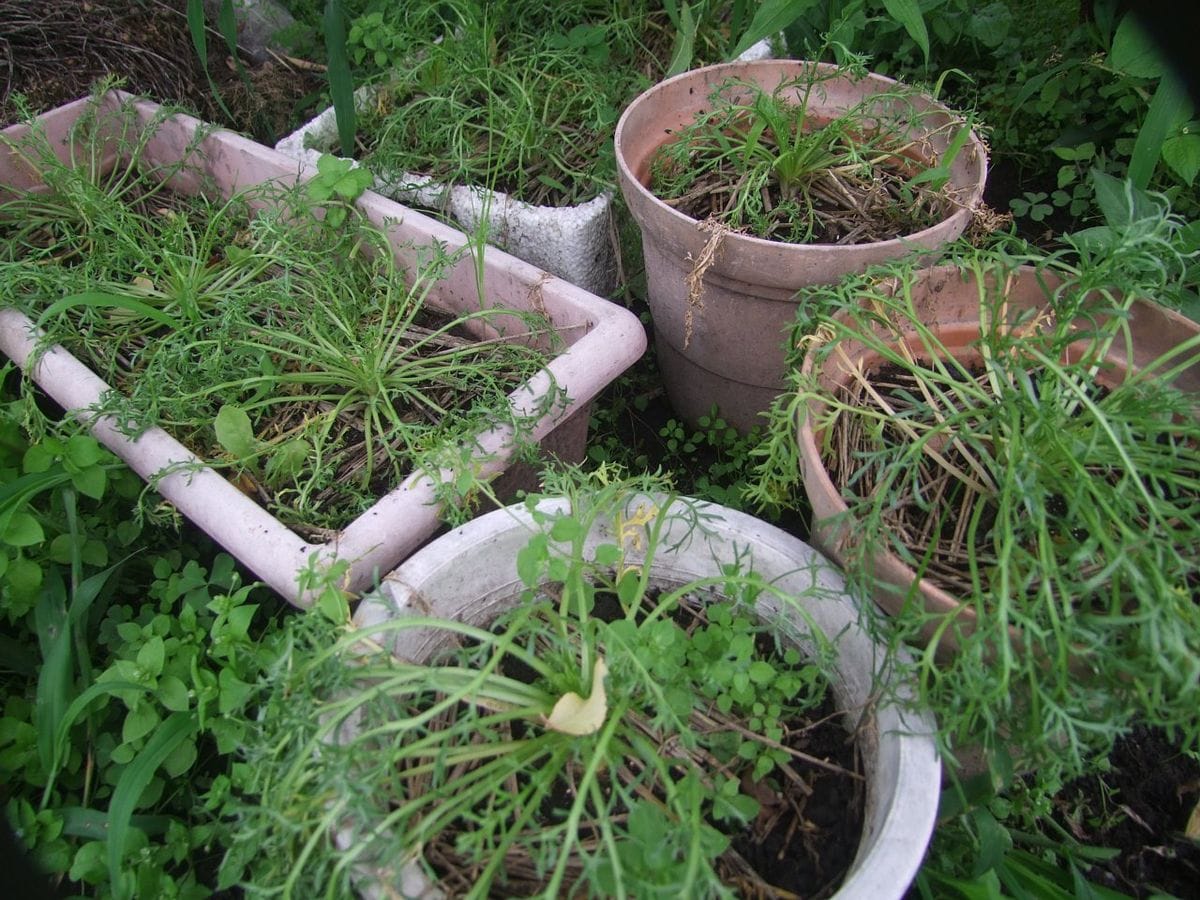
x=341 y=82
x=134 y=779
x=54 y=680
x=100 y=300
x=771 y=18
x=92 y=824
x=197 y=26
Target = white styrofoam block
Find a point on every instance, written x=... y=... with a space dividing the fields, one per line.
x=572 y=242
x=762 y=50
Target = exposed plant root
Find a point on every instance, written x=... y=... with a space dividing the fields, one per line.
x=695 y=278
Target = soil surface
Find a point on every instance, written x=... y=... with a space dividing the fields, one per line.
x=1141 y=809
x=811 y=842
x=54 y=51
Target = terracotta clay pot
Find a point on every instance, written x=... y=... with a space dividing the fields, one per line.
x=733 y=355
x=948 y=302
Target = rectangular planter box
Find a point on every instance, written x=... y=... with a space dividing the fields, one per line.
x=599 y=339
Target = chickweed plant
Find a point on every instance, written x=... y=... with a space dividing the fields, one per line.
x=607 y=735
x=222 y=319
x=762 y=162
x=128 y=662
x=1042 y=478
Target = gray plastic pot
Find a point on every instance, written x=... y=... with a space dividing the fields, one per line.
x=728 y=349
x=470 y=575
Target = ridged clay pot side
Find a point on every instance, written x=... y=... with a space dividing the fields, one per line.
x=950 y=305
x=735 y=354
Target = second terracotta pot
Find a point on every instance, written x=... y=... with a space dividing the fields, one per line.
x=947 y=300
x=729 y=349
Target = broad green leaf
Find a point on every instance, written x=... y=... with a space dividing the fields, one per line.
x=237 y=625
x=63 y=549
x=94 y=553
x=1119 y=202
x=91 y=482
x=24 y=579
x=1182 y=154
x=234 y=692
x=529 y=560
x=150 y=656
x=336 y=216
x=607 y=555
x=139 y=722
x=1169 y=108
x=234 y=432
x=565 y=528
x=127 y=532
x=173 y=694
x=288 y=460
x=351 y=185
x=88 y=864
x=84 y=450
x=908 y=14
x=181 y=760
x=1134 y=51
x=22 y=530
x=771 y=18
x=41 y=456
x=761 y=672
x=229 y=733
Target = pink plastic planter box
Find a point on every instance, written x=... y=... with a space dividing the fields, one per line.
x=600 y=340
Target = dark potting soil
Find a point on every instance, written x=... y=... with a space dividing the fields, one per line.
x=1140 y=808
x=810 y=845
x=53 y=51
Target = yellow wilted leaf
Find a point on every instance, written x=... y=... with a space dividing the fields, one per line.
x=142 y=282
x=1193 y=825
x=574 y=715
